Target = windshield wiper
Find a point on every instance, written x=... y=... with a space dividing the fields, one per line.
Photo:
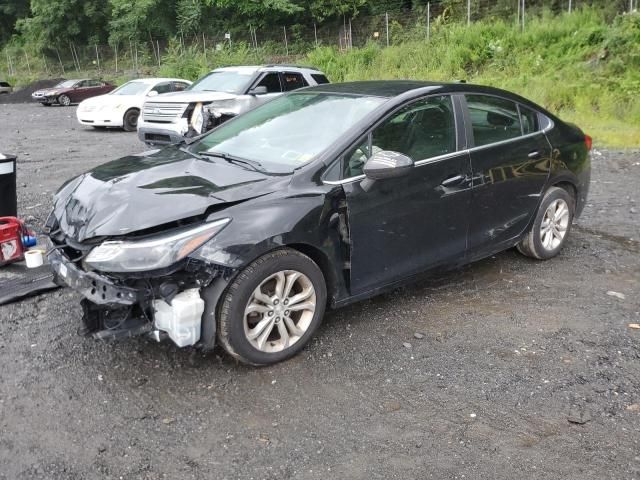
x=255 y=166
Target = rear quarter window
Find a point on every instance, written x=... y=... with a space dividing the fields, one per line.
x=319 y=78
x=529 y=120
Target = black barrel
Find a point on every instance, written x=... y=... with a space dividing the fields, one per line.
x=8 y=195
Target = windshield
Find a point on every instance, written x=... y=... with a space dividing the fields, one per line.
x=131 y=88
x=230 y=81
x=66 y=84
x=289 y=131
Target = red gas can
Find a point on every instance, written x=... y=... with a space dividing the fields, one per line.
x=11 y=231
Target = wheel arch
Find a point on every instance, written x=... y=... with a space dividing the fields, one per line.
x=322 y=260
x=567 y=185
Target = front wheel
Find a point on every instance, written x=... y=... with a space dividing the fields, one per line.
x=64 y=100
x=551 y=225
x=272 y=308
x=130 y=120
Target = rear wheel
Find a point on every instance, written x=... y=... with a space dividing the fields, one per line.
x=46 y=104
x=272 y=308
x=551 y=226
x=130 y=120
x=64 y=100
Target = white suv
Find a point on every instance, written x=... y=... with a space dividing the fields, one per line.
x=221 y=94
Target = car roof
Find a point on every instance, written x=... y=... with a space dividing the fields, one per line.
x=158 y=79
x=269 y=67
x=395 y=88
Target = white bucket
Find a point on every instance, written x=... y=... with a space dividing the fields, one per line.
x=34 y=258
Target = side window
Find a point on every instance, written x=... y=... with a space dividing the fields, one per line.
x=83 y=83
x=293 y=81
x=529 y=120
x=422 y=130
x=272 y=82
x=164 y=87
x=493 y=119
x=319 y=78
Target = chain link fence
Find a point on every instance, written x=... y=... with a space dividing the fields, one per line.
x=286 y=43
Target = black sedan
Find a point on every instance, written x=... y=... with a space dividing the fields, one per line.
x=316 y=199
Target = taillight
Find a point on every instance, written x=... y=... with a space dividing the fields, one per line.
x=588 y=142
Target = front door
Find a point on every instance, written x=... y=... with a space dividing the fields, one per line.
x=510 y=162
x=405 y=225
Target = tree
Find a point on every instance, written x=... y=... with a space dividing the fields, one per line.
x=58 y=22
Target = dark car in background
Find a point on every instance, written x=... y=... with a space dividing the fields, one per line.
x=319 y=198
x=5 y=87
x=72 y=91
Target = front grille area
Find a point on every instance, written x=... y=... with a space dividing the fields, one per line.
x=163 y=112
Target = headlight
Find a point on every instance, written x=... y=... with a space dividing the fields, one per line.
x=152 y=253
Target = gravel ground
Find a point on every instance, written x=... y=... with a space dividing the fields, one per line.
x=522 y=369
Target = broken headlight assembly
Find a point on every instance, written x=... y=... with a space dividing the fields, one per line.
x=152 y=253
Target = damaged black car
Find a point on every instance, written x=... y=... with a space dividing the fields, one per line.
x=325 y=196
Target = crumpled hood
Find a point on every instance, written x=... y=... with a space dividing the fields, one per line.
x=188 y=96
x=138 y=192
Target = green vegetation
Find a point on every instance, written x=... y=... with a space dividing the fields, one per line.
x=579 y=66
x=583 y=66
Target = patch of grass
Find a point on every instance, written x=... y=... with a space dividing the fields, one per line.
x=579 y=66
x=583 y=66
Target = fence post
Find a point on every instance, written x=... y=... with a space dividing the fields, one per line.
x=26 y=57
x=286 y=44
x=386 y=22
x=350 y=37
x=428 y=21
x=315 y=33
x=115 y=49
x=523 y=9
x=158 y=45
x=97 y=57
x=569 y=6
x=60 y=60
x=468 y=12
x=46 y=67
x=10 y=65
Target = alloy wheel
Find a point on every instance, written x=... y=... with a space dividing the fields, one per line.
x=279 y=311
x=554 y=224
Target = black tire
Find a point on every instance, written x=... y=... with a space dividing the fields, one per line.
x=46 y=104
x=64 y=100
x=231 y=328
x=532 y=245
x=130 y=120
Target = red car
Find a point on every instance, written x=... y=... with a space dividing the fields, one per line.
x=72 y=91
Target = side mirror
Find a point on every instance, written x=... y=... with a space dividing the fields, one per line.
x=385 y=164
x=152 y=93
x=261 y=90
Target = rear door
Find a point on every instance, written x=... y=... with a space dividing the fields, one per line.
x=293 y=81
x=403 y=226
x=510 y=161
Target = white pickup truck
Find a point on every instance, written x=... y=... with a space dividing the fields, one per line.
x=221 y=94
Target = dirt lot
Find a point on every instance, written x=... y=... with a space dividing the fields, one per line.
x=525 y=369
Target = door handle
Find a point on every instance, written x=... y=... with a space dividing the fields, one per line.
x=534 y=154
x=453 y=181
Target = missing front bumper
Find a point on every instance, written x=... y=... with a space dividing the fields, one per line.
x=94 y=287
